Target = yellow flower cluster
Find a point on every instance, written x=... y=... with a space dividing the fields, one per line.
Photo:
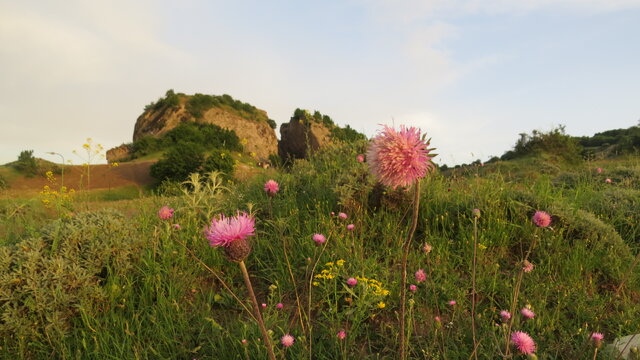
x=331 y=270
x=376 y=285
x=51 y=197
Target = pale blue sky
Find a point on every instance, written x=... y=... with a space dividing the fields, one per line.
x=472 y=74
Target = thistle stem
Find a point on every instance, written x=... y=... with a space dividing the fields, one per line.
x=473 y=287
x=256 y=309
x=405 y=254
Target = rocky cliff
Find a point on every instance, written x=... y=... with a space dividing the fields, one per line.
x=251 y=125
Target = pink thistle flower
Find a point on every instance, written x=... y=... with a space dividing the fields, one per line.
x=319 y=239
x=287 y=340
x=165 y=213
x=352 y=281
x=350 y=227
x=341 y=334
x=437 y=319
x=226 y=230
x=244 y=341
x=541 y=219
x=399 y=158
x=452 y=302
x=523 y=342
x=342 y=215
x=599 y=170
x=427 y=248
x=420 y=275
x=413 y=288
x=176 y=226
x=505 y=315
x=279 y=306
x=608 y=181
x=271 y=187
x=597 y=337
x=527 y=266
x=475 y=213
x=360 y=158
x=527 y=313
x=333 y=214
x=264 y=306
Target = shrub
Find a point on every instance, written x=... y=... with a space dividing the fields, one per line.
x=180 y=161
x=219 y=160
x=26 y=163
x=272 y=123
x=346 y=134
x=170 y=100
x=555 y=142
x=3 y=183
x=49 y=280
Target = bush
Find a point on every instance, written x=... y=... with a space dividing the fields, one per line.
x=219 y=160
x=180 y=161
x=555 y=142
x=26 y=163
x=272 y=123
x=3 y=183
x=49 y=280
x=170 y=100
x=346 y=134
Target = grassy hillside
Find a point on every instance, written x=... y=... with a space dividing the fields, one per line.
x=113 y=281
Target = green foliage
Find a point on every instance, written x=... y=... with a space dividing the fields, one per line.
x=555 y=142
x=49 y=281
x=305 y=115
x=346 y=134
x=208 y=136
x=220 y=161
x=272 y=124
x=26 y=163
x=612 y=142
x=198 y=104
x=181 y=160
x=169 y=101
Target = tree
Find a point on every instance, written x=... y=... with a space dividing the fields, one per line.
x=27 y=163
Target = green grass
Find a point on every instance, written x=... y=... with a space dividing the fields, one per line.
x=151 y=299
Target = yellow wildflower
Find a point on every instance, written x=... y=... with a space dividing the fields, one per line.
x=381 y=305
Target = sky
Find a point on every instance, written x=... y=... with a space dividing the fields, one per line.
x=472 y=74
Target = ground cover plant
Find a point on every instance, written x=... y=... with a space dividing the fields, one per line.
x=515 y=258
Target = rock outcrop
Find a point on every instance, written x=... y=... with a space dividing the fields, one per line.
x=119 y=153
x=257 y=136
x=300 y=137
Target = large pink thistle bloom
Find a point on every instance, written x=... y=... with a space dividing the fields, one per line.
x=399 y=158
x=523 y=342
x=287 y=340
x=225 y=230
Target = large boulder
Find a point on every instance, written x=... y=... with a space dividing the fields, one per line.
x=301 y=136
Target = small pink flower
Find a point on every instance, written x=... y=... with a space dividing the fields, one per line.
x=244 y=341
x=165 y=213
x=287 y=340
x=523 y=342
x=413 y=288
x=176 y=226
x=271 y=187
x=264 y=306
x=475 y=213
x=279 y=306
x=333 y=214
x=452 y=302
x=608 y=181
x=541 y=219
x=341 y=334
x=505 y=315
x=352 y=281
x=427 y=248
x=360 y=158
x=527 y=313
x=342 y=215
x=597 y=337
x=319 y=239
x=599 y=170
x=437 y=319
x=420 y=275
x=527 y=266
x=350 y=227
